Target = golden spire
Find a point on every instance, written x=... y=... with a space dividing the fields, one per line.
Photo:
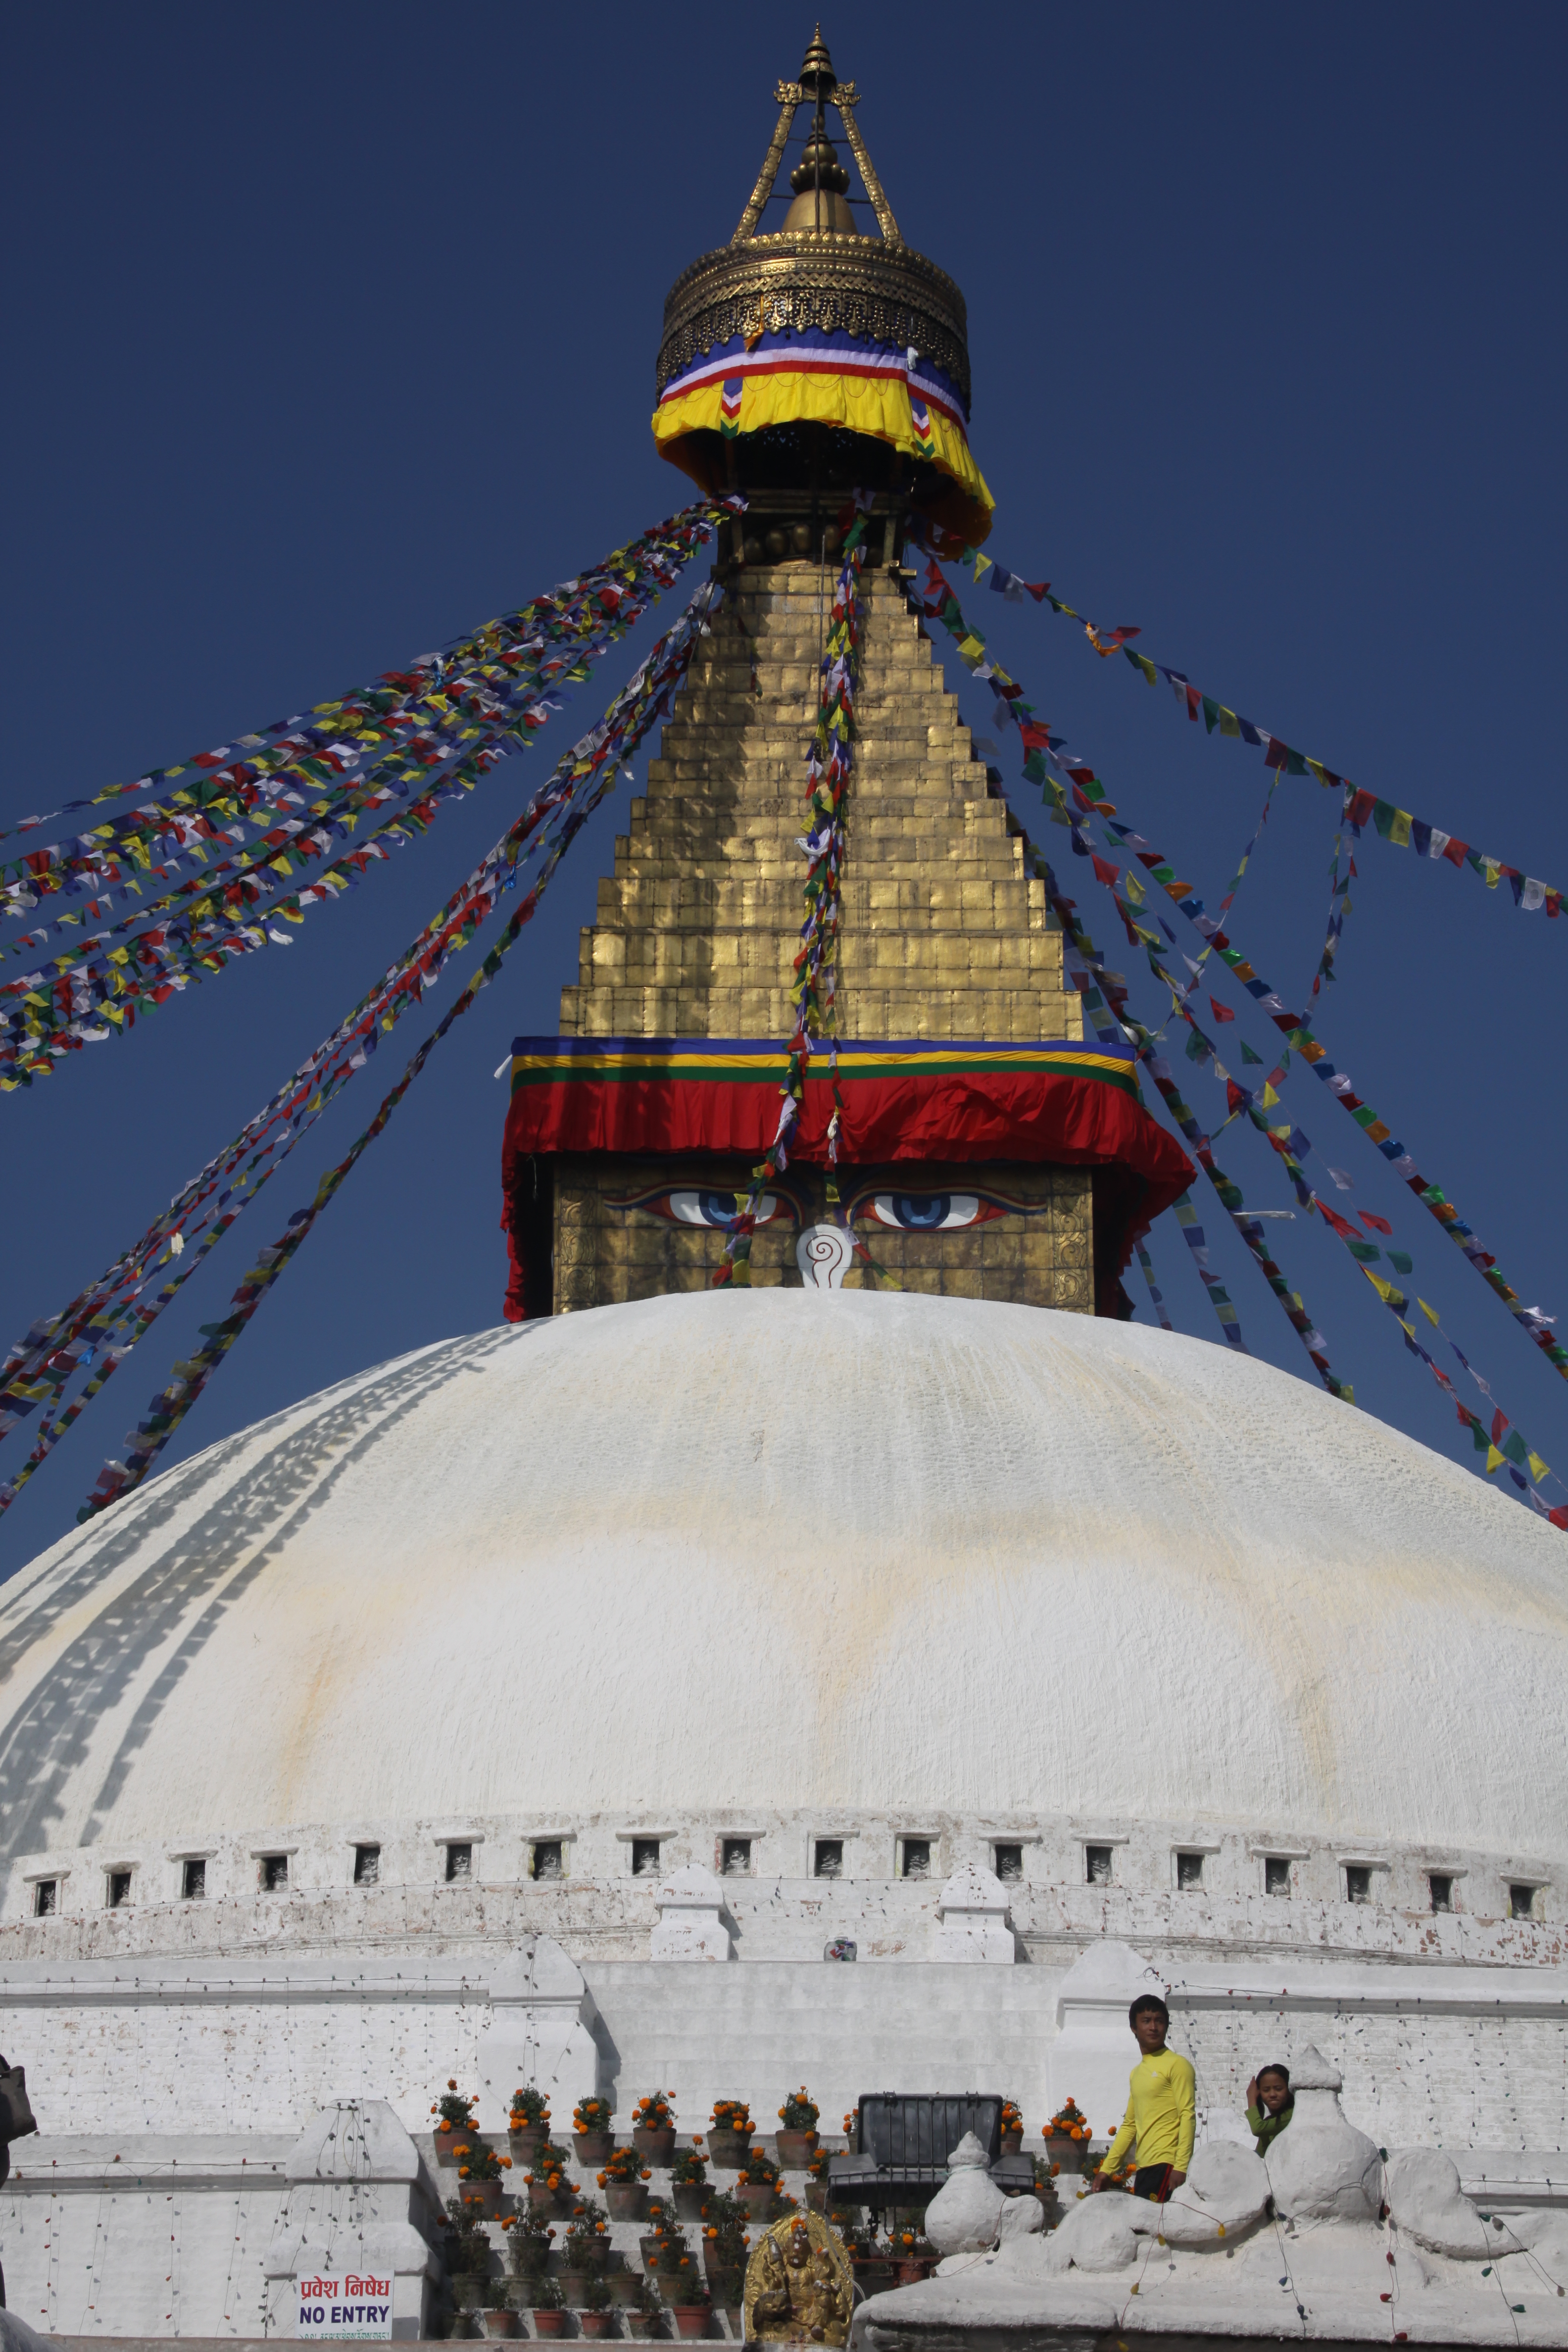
x=819 y=180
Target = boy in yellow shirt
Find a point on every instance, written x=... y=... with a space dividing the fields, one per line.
x=1162 y=2108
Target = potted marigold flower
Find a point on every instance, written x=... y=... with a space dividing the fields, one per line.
x=497 y=2316
x=724 y=2239
x=586 y=2250
x=869 y=2259
x=681 y=2281
x=625 y=2183
x=724 y=2246
x=1012 y=2129
x=817 y=2182
x=1066 y=2138
x=481 y=2169
x=661 y=2229
x=729 y=2134
x=549 y=2308
x=549 y=2190
x=757 y=2184
x=467 y=2246
x=797 y=2138
x=626 y=2287
x=528 y=2242
x=653 y=2129
x=529 y=2122
x=644 y=2311
x=689 y=2183
x=597 y=2316
x=913 y=2256
x=591 y=2134
x=455 y=2119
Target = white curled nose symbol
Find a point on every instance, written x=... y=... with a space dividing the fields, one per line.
x=823 y=1253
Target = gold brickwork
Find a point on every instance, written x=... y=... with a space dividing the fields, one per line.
x=943 y=936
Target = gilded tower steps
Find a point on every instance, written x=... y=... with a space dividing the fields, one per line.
x=942 y=933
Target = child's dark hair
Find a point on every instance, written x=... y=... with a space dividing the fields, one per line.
x=1148 y=2001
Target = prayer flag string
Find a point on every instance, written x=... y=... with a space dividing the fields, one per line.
x=95 y=987
x=97 y=1330
x=1088 y=796
x=830 y=766
x=589 y=770
x=1393 y=824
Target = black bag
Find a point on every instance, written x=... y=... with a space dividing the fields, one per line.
x=16 y=2114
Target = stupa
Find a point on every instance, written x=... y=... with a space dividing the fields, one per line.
x=870 y=1677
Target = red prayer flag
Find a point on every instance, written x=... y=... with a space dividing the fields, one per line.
x=1221 y=1012
x=1378 y=1224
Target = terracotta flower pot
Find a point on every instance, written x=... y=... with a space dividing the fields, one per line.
x=1072 y=2155
x=642 y=2324
x=690 y=2196
x=1012 y=2141
x=549 y=2323
x=500 y=2323
x=545 y=2200
x=757 y=2197
x=447 y=2144
x=648 y=2246
x=654 y=2147
x=523 y=2146
x=625 y=2201
x=595 y=2148
x=571 y=2282
x=796 y=2148
x=911 y=2269
x=466 y=2287
x=816 y=2196
x=727 y=2287
x=692 y=2319
x=729 y=2151
x=486 y=2197
x=622 y=2286
x=596 y=2322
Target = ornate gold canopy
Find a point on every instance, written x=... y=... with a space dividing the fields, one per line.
x=849 y=351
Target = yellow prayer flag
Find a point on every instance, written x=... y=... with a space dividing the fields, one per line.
x=1539 y=1469
x=1399 y=831
x=1430 y=1312
x=1270 y=1096
x=1148 y=668
x=1229 y=724
x=982 y=564
x=1494 y=1460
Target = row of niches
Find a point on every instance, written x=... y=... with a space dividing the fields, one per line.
x=617 y=1869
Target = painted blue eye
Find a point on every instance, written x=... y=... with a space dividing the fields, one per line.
x=927 y=1212
x=719 y=1209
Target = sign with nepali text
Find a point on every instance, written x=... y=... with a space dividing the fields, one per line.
x=350 y=2304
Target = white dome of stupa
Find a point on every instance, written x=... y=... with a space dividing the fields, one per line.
x=787 y=1551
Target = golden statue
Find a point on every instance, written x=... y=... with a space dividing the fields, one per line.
x=799 y=2285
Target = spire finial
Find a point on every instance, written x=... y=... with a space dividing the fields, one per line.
x=817 y=78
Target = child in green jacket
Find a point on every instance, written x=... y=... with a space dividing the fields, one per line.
x=1270 y=2104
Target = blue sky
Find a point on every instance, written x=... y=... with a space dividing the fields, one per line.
x=333 y=334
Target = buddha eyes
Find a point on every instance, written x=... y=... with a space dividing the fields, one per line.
x=929 y=1212
x=719 y=1209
